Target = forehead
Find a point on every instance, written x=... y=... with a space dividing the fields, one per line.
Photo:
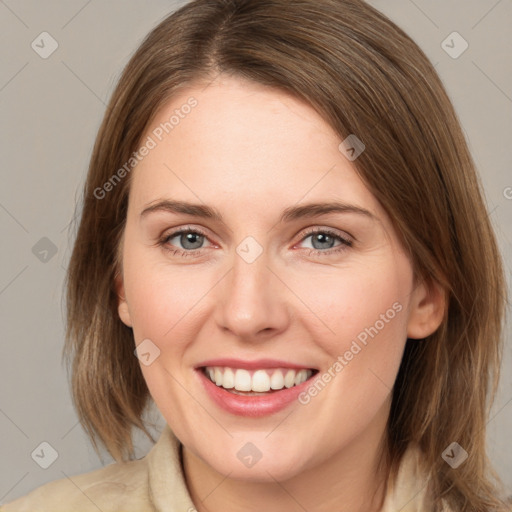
x=244 y=145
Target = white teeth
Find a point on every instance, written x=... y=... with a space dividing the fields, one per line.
x=218 y=376
x=228 y=379
x=289 y=378
x=242 y=380
x=260 y=381
x=300 y=377
x=277 y=380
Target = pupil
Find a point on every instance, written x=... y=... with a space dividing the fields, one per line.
x=323 y=238
x=188 y=242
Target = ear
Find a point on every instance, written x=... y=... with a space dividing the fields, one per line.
x=427 y=307
x=122 y=305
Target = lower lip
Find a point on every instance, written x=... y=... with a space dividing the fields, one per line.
x=252 y=405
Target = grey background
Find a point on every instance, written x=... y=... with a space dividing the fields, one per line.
x=51 y=109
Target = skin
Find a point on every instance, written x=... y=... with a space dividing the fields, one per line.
x=250 y=152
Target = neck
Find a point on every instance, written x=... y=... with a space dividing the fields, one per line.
x=350 y=480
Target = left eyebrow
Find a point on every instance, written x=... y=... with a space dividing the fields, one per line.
x=317 y=209
x=289 y=214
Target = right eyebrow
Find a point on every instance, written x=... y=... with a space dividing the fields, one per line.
x=197 y=210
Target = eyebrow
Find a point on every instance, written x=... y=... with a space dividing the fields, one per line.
x=289 y=214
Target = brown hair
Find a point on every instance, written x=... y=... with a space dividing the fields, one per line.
x=364 y=76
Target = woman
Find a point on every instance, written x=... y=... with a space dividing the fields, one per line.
x=283 y=222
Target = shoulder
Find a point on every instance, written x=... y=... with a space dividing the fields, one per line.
x=144 y=485
x=114 y=488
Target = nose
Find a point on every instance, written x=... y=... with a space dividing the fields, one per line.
x=252 y=301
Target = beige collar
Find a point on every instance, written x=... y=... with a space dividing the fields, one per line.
x=167 y=486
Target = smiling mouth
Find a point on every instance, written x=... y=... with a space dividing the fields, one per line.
x=256 y=382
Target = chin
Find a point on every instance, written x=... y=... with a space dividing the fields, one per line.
x=264 y=464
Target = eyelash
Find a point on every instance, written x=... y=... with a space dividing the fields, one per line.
x=345 y=243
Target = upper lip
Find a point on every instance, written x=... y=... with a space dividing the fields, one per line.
x=254 y=364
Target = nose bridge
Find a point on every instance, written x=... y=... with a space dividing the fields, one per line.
x=251 y=301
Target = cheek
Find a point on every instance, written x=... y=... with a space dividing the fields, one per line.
x=353 y=303
x=163 y=302
x=363 y=330
x=164 y=305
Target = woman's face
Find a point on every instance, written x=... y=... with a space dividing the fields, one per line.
x=253 y=278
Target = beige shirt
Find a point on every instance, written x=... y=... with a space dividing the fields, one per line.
x=156 y=483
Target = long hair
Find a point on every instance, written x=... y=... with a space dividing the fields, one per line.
x=366 y=77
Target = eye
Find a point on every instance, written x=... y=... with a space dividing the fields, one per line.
x=189 y=241
x=184 y=241
x=323 y=241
